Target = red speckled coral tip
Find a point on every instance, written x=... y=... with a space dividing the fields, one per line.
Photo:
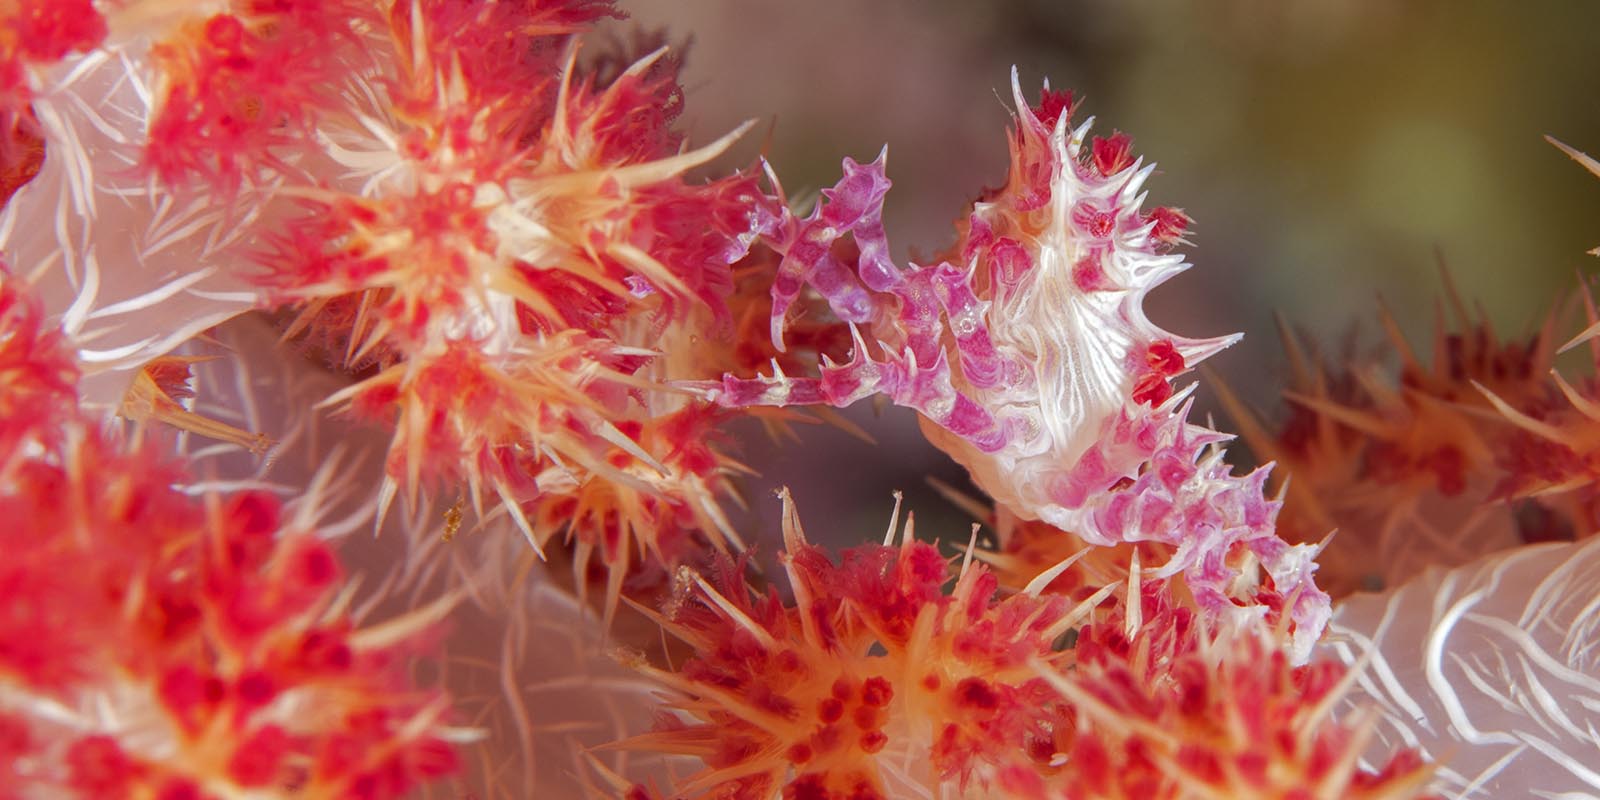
x=233 y=86
x=38 y=33
x=38 y=378
x=873 y=668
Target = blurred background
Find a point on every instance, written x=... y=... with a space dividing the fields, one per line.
x=1326 y=149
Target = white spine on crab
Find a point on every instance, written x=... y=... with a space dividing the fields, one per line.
x=1072 y=330
x=130 y=269
x=1071 y=343
x=1490 y=668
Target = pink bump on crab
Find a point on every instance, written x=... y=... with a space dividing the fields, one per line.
x=1032 y=362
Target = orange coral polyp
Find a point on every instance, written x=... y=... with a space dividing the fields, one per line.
x=157 y=395
x=872 y=664
x=1479 y=441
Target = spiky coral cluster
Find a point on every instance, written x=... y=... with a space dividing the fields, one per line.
x=227 y=83
x=1032 y=362
x=1424 y=471
x=1486 y=448
x=155 y=646
x=498 y=240
x=168 y=131
x=520 y=254
x=1170 y=706
x=876 y=683
x=804 y=689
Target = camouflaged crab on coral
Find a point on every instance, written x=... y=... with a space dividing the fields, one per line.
x=481 y=237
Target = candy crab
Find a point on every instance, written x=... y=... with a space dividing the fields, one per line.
x=1031 y=360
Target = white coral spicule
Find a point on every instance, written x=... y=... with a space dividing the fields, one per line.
x=130 y=268
x=1492 y=669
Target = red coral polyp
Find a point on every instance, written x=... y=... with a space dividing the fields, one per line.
x=235 y=86
x=529 y=270
x=38 y=374
x=1184 y=709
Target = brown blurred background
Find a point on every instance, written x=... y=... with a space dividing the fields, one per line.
x=1325 y=148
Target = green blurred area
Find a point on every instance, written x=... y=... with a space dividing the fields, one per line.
x=1326 y=149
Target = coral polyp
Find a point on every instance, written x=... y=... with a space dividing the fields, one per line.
x=1385 y=461
x=874 y=683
